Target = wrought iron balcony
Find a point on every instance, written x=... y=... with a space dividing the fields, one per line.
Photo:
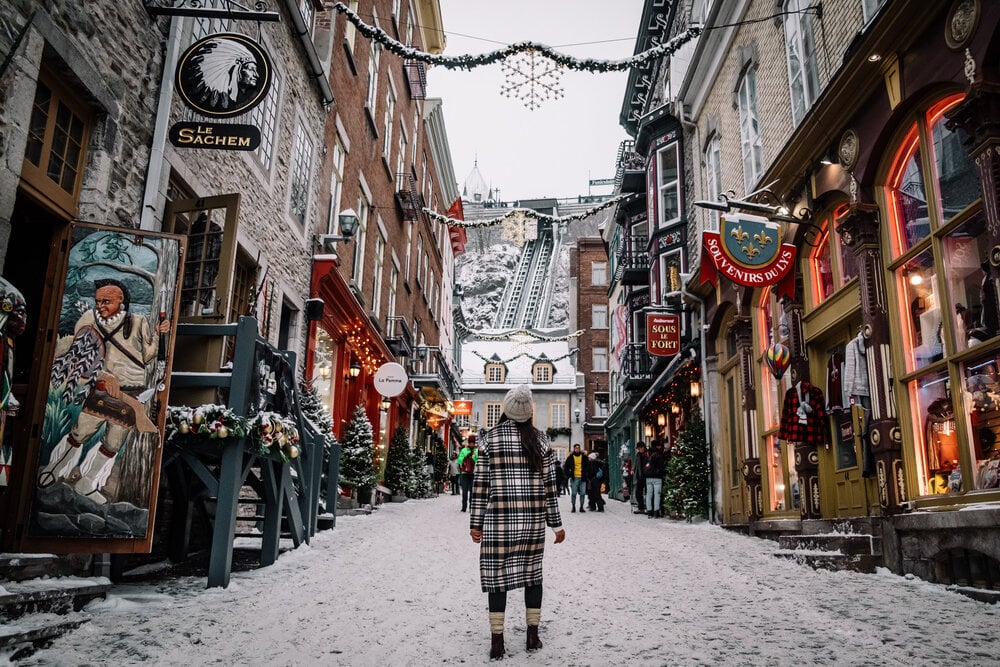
x=636 y=367
x=429 y=368
x=409 y=196
x=416 y=76
x=630 y=174
x=633 y=262
x=397 y=337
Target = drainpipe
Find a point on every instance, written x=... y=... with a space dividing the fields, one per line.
x=315 y=67
x=154 y=171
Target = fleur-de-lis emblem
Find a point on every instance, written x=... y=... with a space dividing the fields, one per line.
x=762 y=238
x=739 y=234
x=750 y=250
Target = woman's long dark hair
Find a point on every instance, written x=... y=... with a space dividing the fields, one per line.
x=530 y=443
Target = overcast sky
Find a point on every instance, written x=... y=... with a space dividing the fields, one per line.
x=555 y=150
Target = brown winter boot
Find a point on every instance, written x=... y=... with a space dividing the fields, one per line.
x=533 y=617
x=497 y=649
x=496 y=632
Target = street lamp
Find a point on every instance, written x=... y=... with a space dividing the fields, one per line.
x=576 y=413
x=354 y=371
x=325 y=370
x=349 y=223
x=695 y=389
x=385 y=404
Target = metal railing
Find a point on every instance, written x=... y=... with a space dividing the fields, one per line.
x=398 y=337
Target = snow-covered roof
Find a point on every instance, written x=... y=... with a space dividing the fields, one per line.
x=475 y=188
x=519 y=357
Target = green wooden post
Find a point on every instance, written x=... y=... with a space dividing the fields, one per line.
x=333 y=482
x=231 y=468
x=271 y=535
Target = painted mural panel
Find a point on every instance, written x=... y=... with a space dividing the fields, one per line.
x=101 y=440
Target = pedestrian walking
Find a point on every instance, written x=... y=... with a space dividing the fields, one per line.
x=466 y=466
x=596 y=478
x=453 y=472
x=561 y=481
x=641 y=459
x=655 y=469
x=514 y=497
x=576 y=469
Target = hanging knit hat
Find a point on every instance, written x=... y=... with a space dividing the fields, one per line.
x=518 y=404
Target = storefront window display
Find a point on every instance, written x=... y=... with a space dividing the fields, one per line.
x=937 y=229
x=981 y=379
x=780 y=466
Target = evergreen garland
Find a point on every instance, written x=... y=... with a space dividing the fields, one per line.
x=686 y=483
x=357 y=463
x=397 y=462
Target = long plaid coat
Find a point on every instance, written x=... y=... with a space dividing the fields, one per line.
x=512 y=503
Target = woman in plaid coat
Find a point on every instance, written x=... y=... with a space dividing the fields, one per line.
x=514 y=496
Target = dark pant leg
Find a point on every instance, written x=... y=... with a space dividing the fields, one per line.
x=497 y=601
x=466 y=482
x=533 y=596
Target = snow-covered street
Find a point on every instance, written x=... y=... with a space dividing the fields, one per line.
x=401 y=587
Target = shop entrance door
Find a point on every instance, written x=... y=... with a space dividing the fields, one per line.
x=843 y=487
x=736 y=495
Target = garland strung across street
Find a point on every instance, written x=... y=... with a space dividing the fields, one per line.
x=527 y=213
x=469 y=62
x=514 y=335
x=524 y=354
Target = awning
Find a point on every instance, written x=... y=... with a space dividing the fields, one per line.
x=668 y=373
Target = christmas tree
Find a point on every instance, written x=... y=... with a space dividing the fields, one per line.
x=686 y=483
x=316 y=412
x=357 y=467
x=397 y=462
x=418 y=484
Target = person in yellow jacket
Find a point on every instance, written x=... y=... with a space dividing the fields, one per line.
x=577 y=469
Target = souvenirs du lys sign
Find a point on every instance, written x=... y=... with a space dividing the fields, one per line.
x=748 y=251
x=219 y=77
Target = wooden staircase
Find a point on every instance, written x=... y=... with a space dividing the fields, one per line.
x=38 y=601
x=835 y=545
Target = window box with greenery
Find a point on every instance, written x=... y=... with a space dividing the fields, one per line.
x=555 y=432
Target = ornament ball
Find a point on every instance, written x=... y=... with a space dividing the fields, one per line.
x=293 y=451
x=184 y=427
x=222 y=432
x=198 y=418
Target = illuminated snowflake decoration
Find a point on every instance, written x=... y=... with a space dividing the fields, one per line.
x=531 y=78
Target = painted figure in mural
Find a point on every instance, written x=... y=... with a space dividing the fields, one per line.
x=13 y=320
x=110 y=359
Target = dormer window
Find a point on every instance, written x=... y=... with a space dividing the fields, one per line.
x=496 y=371
x=542 y=371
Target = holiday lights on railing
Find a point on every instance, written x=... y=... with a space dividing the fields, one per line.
x=515 y=334
x=527 y=213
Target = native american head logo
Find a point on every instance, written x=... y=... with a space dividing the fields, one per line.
x=224 y=75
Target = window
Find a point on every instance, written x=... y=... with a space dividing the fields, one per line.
x=358 y=269
x=749 y=129
x=833 y=264
x=713 y=174
x=409 y=25
x=938 y=246
x=377 y=270
x=56 y=149
x=667 y=174
x=543 y=372
x=401 y=157
x=212 y=287
x=871 y=7
x=416 y=141
x=287 y=326
x=599 y=316
x=350 y=32
x=390 y=109
x=395 y=9
x=373 y=61
x=601 y=404
x=298 y=201
x=803 y=78
x=393 y=281
x=265 y=117
x=600 y=359
x=308 y=12
x=496 y=372
x=493 y=411
x=599 y=273
x=336 y=186
x=409 y=251
x=559 y=415
x=420 y=256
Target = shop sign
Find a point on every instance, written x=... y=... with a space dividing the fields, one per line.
x=462 y=407
x=221 y=76
x=215 y=135
x=748 y=251
x=663 y=334
x=390 y=379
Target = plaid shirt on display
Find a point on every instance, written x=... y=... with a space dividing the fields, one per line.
x=814 y=430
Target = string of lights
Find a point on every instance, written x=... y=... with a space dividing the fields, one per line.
x=468 y=62
x=520 y=333
x=526 y=213
x=525 y=354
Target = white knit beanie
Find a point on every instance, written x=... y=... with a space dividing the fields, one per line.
x=518 y=404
